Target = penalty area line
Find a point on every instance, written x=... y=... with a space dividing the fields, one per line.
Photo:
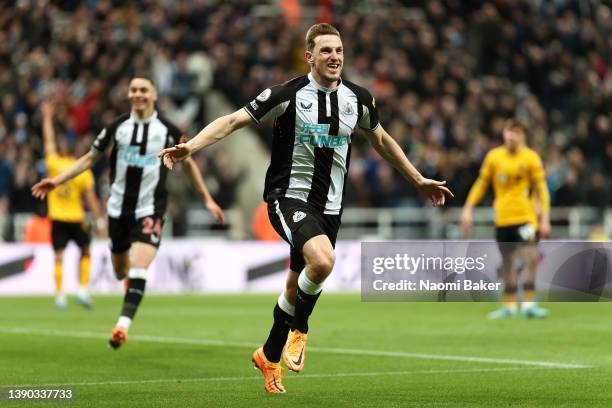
x=329 y=350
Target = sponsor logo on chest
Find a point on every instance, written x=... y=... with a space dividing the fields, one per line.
x=132 y=157
x=317 y=135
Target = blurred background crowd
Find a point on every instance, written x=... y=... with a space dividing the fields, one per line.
x=445 y=74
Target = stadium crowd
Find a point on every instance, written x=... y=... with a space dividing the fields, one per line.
x=445 y=74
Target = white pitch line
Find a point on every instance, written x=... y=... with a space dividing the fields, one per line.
x=424 y=356
x=290 y=377
x=331 y=350
x=138 y=337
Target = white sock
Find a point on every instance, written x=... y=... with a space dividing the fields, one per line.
x=137 y=273
x=308 y=286
x=527 y=305
x=82 y=291
x=124 y=322
x=285 y=305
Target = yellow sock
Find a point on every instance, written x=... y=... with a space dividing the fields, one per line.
x=510 y=301
x=84 y=270
x=58 y=277
x=529 y=296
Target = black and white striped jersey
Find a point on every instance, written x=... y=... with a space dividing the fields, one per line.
x=312 y=133
x=137 y=175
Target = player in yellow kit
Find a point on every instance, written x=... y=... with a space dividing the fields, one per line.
x=65 y=209
x=515 y=171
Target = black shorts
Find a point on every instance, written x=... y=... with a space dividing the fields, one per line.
x=124 y=231
x=63 y=232
x=297 y=221
x=511 y=237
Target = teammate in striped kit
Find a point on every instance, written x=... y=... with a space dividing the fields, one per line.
x=137 y=201
x=315 y=117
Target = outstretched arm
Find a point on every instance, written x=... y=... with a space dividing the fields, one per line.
x=40 y=189
x=215 y=131
x=47 y=111
x=193 y=172
x=388 y=148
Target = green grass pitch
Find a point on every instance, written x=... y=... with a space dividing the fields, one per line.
x=194 y=351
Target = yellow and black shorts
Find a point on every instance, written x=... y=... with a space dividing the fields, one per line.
x=511 y=237
x=64 y=232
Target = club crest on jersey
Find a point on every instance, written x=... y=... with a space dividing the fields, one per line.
x=348 y=109
x=317 y=135
x=264 y=96
x=298 y=216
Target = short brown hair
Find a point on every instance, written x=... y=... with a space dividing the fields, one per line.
x=317 y=30
x=515 y=125
x=144 y=76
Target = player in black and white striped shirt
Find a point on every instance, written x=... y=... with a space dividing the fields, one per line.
x=137 y=200
x=315 y=117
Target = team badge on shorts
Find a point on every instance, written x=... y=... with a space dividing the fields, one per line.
x=527 y=232
x=298 y=216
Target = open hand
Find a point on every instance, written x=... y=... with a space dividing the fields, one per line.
x=42 y=188
x=466 y=221
x=101 y=228
x=47 y=109
x=216 y=211
x=545 y=228
x=174 y=154
x=435 y=190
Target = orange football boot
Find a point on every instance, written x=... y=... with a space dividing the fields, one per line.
x=294 y=353
x=118 y=337
x=272 y=372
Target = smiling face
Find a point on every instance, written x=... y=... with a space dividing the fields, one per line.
x=326 y=59
x=142 y=96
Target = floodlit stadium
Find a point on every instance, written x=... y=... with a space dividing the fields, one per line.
x=350 y=203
